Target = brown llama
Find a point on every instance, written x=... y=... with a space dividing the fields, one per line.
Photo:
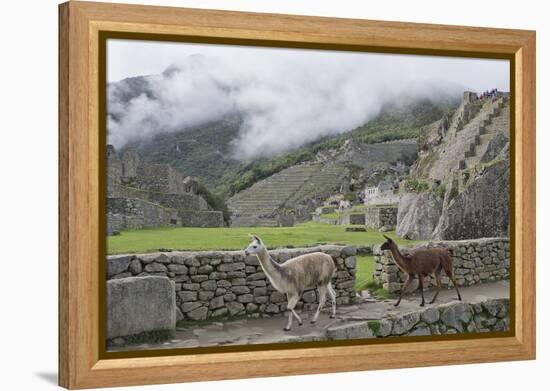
x=421 y=263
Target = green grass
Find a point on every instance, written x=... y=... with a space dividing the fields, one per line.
x=364 y=272
x=364 y=278
x=301 y=235
x=333 y=215
x=356 y=209
x=381 y=293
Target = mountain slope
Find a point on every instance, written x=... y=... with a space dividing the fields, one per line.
x=203 y=152
x=300 y=188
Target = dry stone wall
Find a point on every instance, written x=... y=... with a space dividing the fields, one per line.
x=135 y=214
x=175 y=201
x=141 y=194
x=379 y=217
x=160 y=178
x=456 y=317
x=218 y=284
x=201 y=218
x=474 y=261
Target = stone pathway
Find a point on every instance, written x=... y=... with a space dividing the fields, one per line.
x=270 y=330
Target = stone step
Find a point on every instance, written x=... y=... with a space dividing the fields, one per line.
x=471 y=151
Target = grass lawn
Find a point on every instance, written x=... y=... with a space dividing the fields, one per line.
x=355 y=209
x=301 y=235
x=364 y=272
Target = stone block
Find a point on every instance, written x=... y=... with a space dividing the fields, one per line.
x=358 y=330
x=456 y=315
x=199 y=278
x=216 y=303
x=140 y=304
x=155 y=267
x=206 y=295
x=261 y=299
x=178 y=269
x=235 y=308
x=405 y=322
x=135 y=267
x=187 y=296
x=190 y=287
x=209 y=285
x=272 y=309
x=190 y=306
x=350 y=262
x=118 y=264
x=247 y=298
x=240 y=290
x=198 y=313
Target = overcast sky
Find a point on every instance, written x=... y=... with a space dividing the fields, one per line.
x=287 y=96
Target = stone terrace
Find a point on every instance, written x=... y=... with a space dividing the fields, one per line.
x=215 y=284
x=259 y=205
x=485 y=308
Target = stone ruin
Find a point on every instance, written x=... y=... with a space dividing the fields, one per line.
x=141 y=194
x=474 y=262
x=462 y=177
x=385 y=192
x=221 y=284
x=201 y=292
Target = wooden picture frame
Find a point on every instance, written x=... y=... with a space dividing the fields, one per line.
x=80 y=246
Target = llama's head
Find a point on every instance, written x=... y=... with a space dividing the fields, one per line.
x=255 y=247
x=387 y=244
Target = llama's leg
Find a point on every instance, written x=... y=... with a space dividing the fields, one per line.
x=292 y=300
x=332 y=295
x=449 y=272
x=410 y=277
x=438 y=282
x=322 y=296
x=421 y=287
x=297 y=316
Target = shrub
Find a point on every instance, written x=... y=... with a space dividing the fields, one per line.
x=414 y=185
x=350 y=196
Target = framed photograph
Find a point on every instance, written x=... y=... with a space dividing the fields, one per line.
x=246 y=195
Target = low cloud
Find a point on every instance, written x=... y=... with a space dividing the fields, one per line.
x=285 y=100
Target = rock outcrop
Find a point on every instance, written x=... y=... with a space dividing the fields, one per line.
x=479 y=211
x=469 y=164
x=418 y=214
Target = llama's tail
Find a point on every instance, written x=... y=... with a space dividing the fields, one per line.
x=335 y=269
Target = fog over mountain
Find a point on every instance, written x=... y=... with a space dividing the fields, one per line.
x=285 y=97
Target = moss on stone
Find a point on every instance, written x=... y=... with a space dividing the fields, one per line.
x=374 y=325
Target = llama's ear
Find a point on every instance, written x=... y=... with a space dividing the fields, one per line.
x=251 y=236
x=257 y=238
x=388 y=238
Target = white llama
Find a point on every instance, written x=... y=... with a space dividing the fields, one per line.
x=296 y=275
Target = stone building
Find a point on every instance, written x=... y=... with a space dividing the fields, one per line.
x=384 y=193
x=141 y=194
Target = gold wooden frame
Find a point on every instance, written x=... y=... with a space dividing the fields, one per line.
x=80 y=24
